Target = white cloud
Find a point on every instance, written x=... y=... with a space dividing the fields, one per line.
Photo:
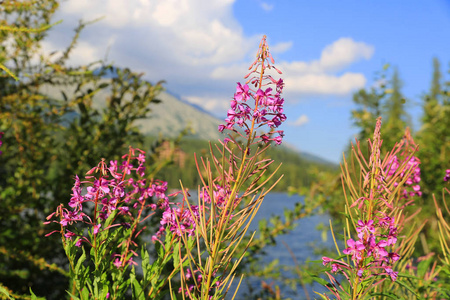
x=209 y=103
x=281 y=47
x=266 y=6
x=324 y=84
x=302 y=120
x=198 y=47
x=344 y=52
x=317 y=77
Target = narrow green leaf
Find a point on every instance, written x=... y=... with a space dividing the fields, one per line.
x=5 y=292
x=423 y=267
x=72 y=297
x=80 y=262
x=384 y=294
x=33 y=296
x=406 y=286
x=176 y=258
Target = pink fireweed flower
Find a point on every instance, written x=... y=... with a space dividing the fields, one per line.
x=117 y=263
x=354 y=249
x=69 y=234
x=411 y=186
x=392 y=257
x=377 y=249
x=179 y=220
x=70 y=217
x=326 y=260
x=365 y=228
x=391 y=273
x=447 y=175
x=107 y=189
x=97 y=228
x=242 y=92
x=265 y=113
x=336 y=265
x=220 y=196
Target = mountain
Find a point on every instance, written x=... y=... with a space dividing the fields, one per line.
x=172 y=115
x=167 y=118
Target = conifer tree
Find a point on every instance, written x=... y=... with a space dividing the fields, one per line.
x=396 y=119
x=434 y=134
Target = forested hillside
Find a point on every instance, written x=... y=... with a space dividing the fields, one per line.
x=294 y=167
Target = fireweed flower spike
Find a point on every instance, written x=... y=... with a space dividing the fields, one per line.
x=375 y=208
x=111 y=202
x=265 y=111
x=232 y=188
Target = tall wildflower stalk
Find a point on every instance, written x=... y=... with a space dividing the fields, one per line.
x=233 y=186
x=377 y=191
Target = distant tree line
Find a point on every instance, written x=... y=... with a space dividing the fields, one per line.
x=182 y=167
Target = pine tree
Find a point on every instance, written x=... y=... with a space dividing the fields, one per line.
x=434 y=134
x=396 y=118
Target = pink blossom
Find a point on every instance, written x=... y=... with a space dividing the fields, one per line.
x=447 y=175
x=354 y=249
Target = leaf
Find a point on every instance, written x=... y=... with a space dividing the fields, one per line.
x=423 y=267
x=384 y=294
x=406 y=286
x=72 y=297
x=33 y=296
x=5 y=292
x=80 y=262
x=176 y=258
x=136 y=287
x=317 y=278
x=103 y=85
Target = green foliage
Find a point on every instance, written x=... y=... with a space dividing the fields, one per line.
x=53 y=130
x=434 y=134
x=298 y=171
x=384 y=99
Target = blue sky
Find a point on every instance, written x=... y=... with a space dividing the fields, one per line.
x=326 y=49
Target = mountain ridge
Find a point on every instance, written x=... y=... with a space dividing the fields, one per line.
x=172 y=115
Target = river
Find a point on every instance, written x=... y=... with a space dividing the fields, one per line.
x=301 y=241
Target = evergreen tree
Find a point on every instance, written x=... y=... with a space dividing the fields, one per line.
x=384 y=99
x=434 y=135
x=395 y=117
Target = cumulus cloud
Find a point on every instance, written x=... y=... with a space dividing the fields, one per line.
x=318 y=77
x=281 y=47
x=266 y=6
x=197 y=46
x=324 y=84
x=302 y=120
x=344 y=52
x=209 y=103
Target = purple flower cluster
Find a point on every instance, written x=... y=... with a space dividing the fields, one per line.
x=266 y=108
x=267 y=111
x=180 y=220
x=96 y=198
x=411 y=185
x=446 y=177
x=369 y=252
x=220 y=196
